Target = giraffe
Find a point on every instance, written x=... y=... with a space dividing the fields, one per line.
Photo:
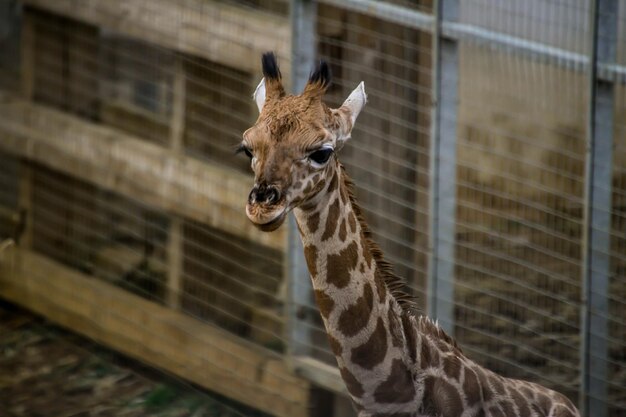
x=393 y=361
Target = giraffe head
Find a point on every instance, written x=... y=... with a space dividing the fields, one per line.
x=293 y=144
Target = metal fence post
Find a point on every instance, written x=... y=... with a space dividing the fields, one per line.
x=597 y=226
x=303 y=51
x=443 y=168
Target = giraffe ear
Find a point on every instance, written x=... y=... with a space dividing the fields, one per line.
x=355 y=103
x=259 y=95
x=348 y=112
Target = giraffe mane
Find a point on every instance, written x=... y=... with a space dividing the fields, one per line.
x=395 y=284
x=430 y=327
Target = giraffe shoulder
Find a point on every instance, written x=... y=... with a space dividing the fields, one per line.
x=428 y=327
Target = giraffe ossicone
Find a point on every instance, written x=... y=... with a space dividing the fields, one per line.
x=393 y=361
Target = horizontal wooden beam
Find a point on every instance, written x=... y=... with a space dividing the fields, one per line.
x=208 y=193
x=230 y=35
x=320 y=373
x=159 y=336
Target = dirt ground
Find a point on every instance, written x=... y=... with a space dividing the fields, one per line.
x=46 y=371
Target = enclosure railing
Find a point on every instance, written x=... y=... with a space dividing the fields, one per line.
x=490 y=162
x=604 y=76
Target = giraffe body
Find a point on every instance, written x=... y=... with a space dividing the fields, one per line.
x=393 y=361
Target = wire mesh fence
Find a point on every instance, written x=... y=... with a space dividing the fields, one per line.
x=118 y=126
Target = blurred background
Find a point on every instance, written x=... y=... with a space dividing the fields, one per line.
x=490 y=162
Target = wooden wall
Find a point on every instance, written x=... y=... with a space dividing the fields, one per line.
x=234 y=283
x=81 y=214
x=219 y=109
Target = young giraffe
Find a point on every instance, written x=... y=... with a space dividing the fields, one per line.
x=393 y=362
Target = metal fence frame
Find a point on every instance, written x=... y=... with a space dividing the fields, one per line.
x=603 y=74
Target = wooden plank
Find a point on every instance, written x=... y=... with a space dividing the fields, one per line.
x=27 y=80
x=320 y=373
x=7 y=254
x=175 y=235
x=208 y=193
x=25 y=202
x=177 y=121
x=175 y=256
x=156 y=335
x=223 y=33
x=27 y=57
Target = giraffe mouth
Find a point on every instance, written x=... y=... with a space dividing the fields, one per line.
x=273 y=224
x=267 y=222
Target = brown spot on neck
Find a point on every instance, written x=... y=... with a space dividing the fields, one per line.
x=444 y=397
x=324 y=303
x=341 y=264
x=335 y=346
x=310 y=254
x=544 y=402
x=354 y=386
x=429 y=356
x=343 y=231
x=526 y=391
x=496 y=411
x=452 y=367
x=398 y=387
x=496 y=383
x=484 y=384
x=308 y=188
x=313 y=222
x=471 y=387
x=374 y=350
x=354 y=318
x=344 y=193
x=334 y=182
x=521 y=403
x=352 y=222
x=507 y=407
x=331 y=220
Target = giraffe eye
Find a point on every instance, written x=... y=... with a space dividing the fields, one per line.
x=244 y=149
x=321 y=156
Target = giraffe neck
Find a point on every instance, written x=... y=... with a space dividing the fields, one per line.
x=392 y=362
x=362 y=318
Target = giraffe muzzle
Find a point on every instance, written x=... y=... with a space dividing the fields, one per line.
x=266 y=207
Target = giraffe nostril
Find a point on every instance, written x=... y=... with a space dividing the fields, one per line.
x=272 y=195
x=264 y=194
